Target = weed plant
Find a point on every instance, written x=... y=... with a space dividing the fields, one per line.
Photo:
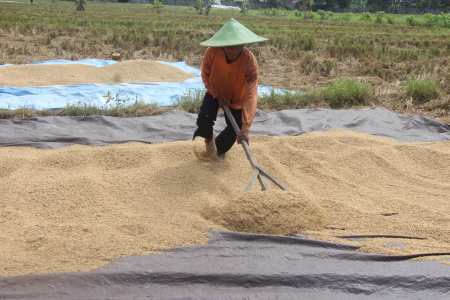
x=346 y=93
x=190 y=101
x=422 y=91
x=274 y=101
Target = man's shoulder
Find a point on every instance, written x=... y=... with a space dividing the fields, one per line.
x=249 y=57
x=212 y=50
x=248 y=52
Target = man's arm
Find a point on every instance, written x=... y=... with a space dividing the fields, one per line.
x=208 y=59
x=251 y=93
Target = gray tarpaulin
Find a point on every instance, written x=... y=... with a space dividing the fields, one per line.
x=57 y=132
x=235 y=265
x=245 y=266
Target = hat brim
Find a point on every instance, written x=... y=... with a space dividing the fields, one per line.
x=233 y=33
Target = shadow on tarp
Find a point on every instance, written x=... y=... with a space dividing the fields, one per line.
x=58 y=132
x=96 y=94
x=245 y=266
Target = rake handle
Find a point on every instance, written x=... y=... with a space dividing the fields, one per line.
x=261 y=178
x=258 y=170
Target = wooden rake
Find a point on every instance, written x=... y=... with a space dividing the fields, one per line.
x=258 y=171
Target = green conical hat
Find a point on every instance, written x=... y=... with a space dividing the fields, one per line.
x=233 y=33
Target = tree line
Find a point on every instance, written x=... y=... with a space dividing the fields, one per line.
x=420 y=6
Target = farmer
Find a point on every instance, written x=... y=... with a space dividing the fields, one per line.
x=230 y=75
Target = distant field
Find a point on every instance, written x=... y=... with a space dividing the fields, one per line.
x=301 y=54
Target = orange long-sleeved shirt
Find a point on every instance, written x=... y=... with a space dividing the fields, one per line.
x=236 y=82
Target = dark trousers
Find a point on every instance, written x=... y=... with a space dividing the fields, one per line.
x=206 y=120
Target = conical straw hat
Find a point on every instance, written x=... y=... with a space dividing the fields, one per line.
x=233 y=33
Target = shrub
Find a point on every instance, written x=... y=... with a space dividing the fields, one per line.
x=431 y=20
x=379 y=16
x=347 y=16
x=80 y=4
x=411 y=20
x=157 y=6
x=287 y=100
x=366 y=16
x=298 y=14
x=203 y=4
x=243 y=6
x=191 y=101
x=345 y=93
x=390 y=19
x=422 y=90
x=322 y=14
x=445 y=19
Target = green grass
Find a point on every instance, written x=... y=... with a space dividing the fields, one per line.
x=345 y=93
x=190 y=101
x=422 y=91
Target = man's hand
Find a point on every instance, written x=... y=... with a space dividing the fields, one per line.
x=242 y=135
x=220 y=101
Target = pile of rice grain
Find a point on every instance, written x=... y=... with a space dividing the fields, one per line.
x=269 y=212
x=79 y=207
x=64 y=74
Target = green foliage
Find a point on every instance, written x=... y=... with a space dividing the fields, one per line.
x=345 y=93
x=366 y=16
x=157 y=6
x=411 y=20
x=203 y=5
x=117 y=101
x=190 y=101
x=271 y=12
x=347 y=16
x=390 y=19
x=358 y=5
x=445 y=18
x=80 y=4
x=81 y=108
x=285 y=100
x=115 y=105
x=441 y=20
x=325 y=15
x=243 y=5
x=322 y=14
x=431 y=20
x=379 y=16
x=306 y=6
x=422 y=90
x=341 y=94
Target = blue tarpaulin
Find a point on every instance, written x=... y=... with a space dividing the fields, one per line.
x=60 y=96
